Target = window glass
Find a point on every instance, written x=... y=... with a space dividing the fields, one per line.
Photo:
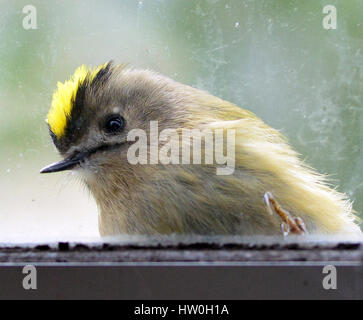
x=275 y=58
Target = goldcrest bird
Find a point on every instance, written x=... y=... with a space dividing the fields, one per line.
x=93 y=113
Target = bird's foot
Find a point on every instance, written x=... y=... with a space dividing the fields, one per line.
x=289 y=224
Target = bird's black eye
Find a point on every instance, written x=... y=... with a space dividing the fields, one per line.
x=114 y=124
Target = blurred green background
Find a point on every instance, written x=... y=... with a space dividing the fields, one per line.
x=271 y=57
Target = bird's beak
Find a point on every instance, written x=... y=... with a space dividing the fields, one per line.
x=66 y=164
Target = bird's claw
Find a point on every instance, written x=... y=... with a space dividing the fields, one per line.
x=289 y=224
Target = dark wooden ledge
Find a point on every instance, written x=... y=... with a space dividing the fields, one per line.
x=184 y=268
x=189 y=249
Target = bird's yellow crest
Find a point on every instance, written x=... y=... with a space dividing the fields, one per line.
x=64 y=96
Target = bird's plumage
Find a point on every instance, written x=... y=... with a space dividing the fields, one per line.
x=189 y=198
